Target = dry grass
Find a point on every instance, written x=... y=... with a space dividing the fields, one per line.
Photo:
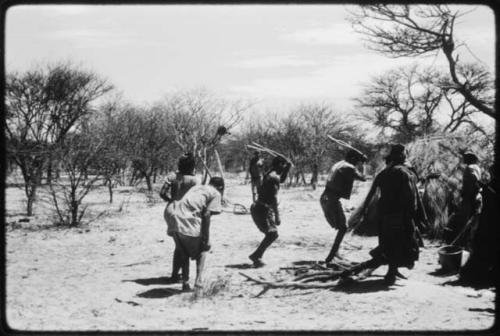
x=212 y=288
x=437 y=162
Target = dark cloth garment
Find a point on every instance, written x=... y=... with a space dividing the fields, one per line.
x=482 y=265
x=341 y=178
x=187 y=245
x=255 y=168
x=397 y=208
x=470 y=204
x=264 y=217
x=332 y=209
x=461 y=224
x=471 y=185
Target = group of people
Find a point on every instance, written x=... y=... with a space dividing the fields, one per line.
x=399 y=205
x=402 y=217
x=190 y=206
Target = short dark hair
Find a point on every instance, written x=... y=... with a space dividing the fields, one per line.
x=354 y=156
x=278 y=161
x=397 y=154
x=217 y=182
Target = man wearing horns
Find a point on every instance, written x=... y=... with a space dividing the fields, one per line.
x=264 y=210
x=339 y=185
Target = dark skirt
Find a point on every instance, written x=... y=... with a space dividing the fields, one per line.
x=398 y=241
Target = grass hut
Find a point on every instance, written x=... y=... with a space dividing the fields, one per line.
x=437 y=161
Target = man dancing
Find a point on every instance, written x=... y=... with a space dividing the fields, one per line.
x=398 y=208
x=264 y=210
x=339 y=185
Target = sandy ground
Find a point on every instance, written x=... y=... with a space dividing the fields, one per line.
x=110 y=274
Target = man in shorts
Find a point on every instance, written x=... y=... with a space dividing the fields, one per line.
x=178 y=186
x=264 y=210
x=255 y=171
x=188 y=222
x=339 y=185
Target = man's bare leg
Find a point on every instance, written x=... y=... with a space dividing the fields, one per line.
x=390 y=277
x=200 y=266
x=259 y=252
x=336 y=244
x=184 y=261
x=176 y=265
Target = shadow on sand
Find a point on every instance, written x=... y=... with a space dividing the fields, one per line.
x=159 y=293
x=154 y=281
x=365 y=286
x=240 y=266
x=440 y=272
x=464 y=283
x=307 y=262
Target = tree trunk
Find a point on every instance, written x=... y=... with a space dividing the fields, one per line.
x=49 y=172
x=205 y=159
x=303 y=177
x=31 y=199
x=148 y=182
x=110 y=189
x=74 y=213
x=448 y=52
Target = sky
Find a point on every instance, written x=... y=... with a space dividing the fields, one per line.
x=273 y=55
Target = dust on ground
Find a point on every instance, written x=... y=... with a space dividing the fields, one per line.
x=110 y=274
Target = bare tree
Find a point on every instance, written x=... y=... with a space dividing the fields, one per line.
x=320 y=120
x=196 y=120
x=301 y=135
x=42 y=106
x=111 y=160
x=75 y=156
x=404 y=101
x=414 y=30
x=146 y=141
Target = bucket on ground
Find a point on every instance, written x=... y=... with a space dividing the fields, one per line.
x=450 y=258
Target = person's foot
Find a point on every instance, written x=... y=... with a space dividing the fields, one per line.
x=338 y=256
x=390 y=279
x=186 y=287
x=345 y=280
x=173 y=279
x=399 y=275
x=198 y=290
x=256 y=261
x=334 y=256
